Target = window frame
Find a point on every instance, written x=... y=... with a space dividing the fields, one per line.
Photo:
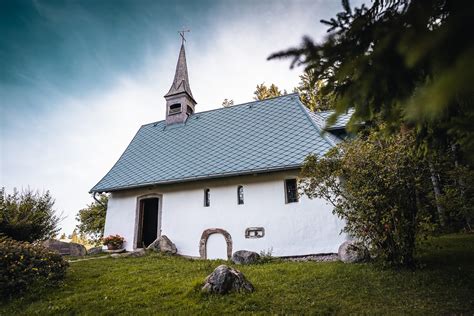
x=289 y=199
x=240 y=199
x=254 y=232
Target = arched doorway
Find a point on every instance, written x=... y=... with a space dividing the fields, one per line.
x=148 y=220
x=203 y=243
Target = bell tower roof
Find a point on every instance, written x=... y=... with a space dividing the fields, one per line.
x=181 y=80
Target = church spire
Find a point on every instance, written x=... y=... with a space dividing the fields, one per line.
x=179 y=99
x=181 y=80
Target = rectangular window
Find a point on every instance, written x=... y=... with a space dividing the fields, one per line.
x=291 y=190
x=207 y=198
x=240 y=195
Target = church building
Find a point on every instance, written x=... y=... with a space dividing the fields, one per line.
x=223 y=180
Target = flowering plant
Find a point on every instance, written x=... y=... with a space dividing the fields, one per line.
x=24 y=266
x=113 y=241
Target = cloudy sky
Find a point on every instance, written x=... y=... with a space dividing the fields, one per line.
x=78 y=78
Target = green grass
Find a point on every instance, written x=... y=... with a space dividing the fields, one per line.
x=444 y=284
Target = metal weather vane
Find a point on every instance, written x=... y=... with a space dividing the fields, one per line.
x=181 y=33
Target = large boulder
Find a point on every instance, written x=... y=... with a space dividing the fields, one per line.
x=245 y=257
x=349 y=252
x=163 y=244
x=225 y=279
x=65 y=248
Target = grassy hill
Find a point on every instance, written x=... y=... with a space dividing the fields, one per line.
x=444 y=284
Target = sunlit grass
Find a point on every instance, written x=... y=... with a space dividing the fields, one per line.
x=444 y=284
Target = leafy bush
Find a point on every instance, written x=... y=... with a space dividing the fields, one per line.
x=381 y=187
x=24 y=265
x=27 y=215
x=457 y=199
x=114 y=241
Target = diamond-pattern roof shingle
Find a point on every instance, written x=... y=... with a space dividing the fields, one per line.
x=341 y=121
x=261 y=136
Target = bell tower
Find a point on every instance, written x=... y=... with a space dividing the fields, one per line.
x=180 y=102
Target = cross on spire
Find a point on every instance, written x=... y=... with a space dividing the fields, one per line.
x=181 y=33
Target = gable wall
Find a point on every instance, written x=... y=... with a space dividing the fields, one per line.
x=306 y=227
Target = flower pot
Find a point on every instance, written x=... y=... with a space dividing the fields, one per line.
x=112 y=247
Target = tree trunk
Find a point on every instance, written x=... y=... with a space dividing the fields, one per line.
x=437 y=193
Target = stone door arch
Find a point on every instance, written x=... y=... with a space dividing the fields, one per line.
x=205 y=235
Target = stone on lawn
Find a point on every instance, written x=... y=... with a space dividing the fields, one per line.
x=349 y=253
x=115 y=250
x=65 y=248
x=163 y=244
x=225 y=279
x=137 y=253
x=94 y=250
x=245 y=257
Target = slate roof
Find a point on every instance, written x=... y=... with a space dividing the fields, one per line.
x=341 y=121
x=320 y=122
x=261 y=136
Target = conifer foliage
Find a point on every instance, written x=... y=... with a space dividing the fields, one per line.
x=404 y=61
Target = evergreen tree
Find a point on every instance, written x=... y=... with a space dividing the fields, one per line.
x=28 y=215
x=312 y=92
x=263 y=92
x=406 y=62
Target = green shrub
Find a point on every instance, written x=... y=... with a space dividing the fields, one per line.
x=381 y=187
x=24 y=265
x=27 y=215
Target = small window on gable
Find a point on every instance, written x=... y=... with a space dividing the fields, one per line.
x=240 y=195
x=291 y=191
x=175 y=109
x=207 y=197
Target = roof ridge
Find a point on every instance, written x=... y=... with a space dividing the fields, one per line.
x=319 y=130
x=232 y=106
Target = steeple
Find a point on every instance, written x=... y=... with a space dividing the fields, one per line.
x=179 y=99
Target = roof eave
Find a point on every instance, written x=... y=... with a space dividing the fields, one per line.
x=197 y=178
x=170 y=94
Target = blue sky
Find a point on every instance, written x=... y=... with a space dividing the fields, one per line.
x=78 y=78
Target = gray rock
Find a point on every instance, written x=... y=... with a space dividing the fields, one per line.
x=225 y=279
x=137 y=253
x=65 y=248
x=350 y=253
x=245 y=257
x=114 y=250
x=94 y=250
x=163 y=244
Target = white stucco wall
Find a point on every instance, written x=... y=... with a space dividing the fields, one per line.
x=305 y=227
